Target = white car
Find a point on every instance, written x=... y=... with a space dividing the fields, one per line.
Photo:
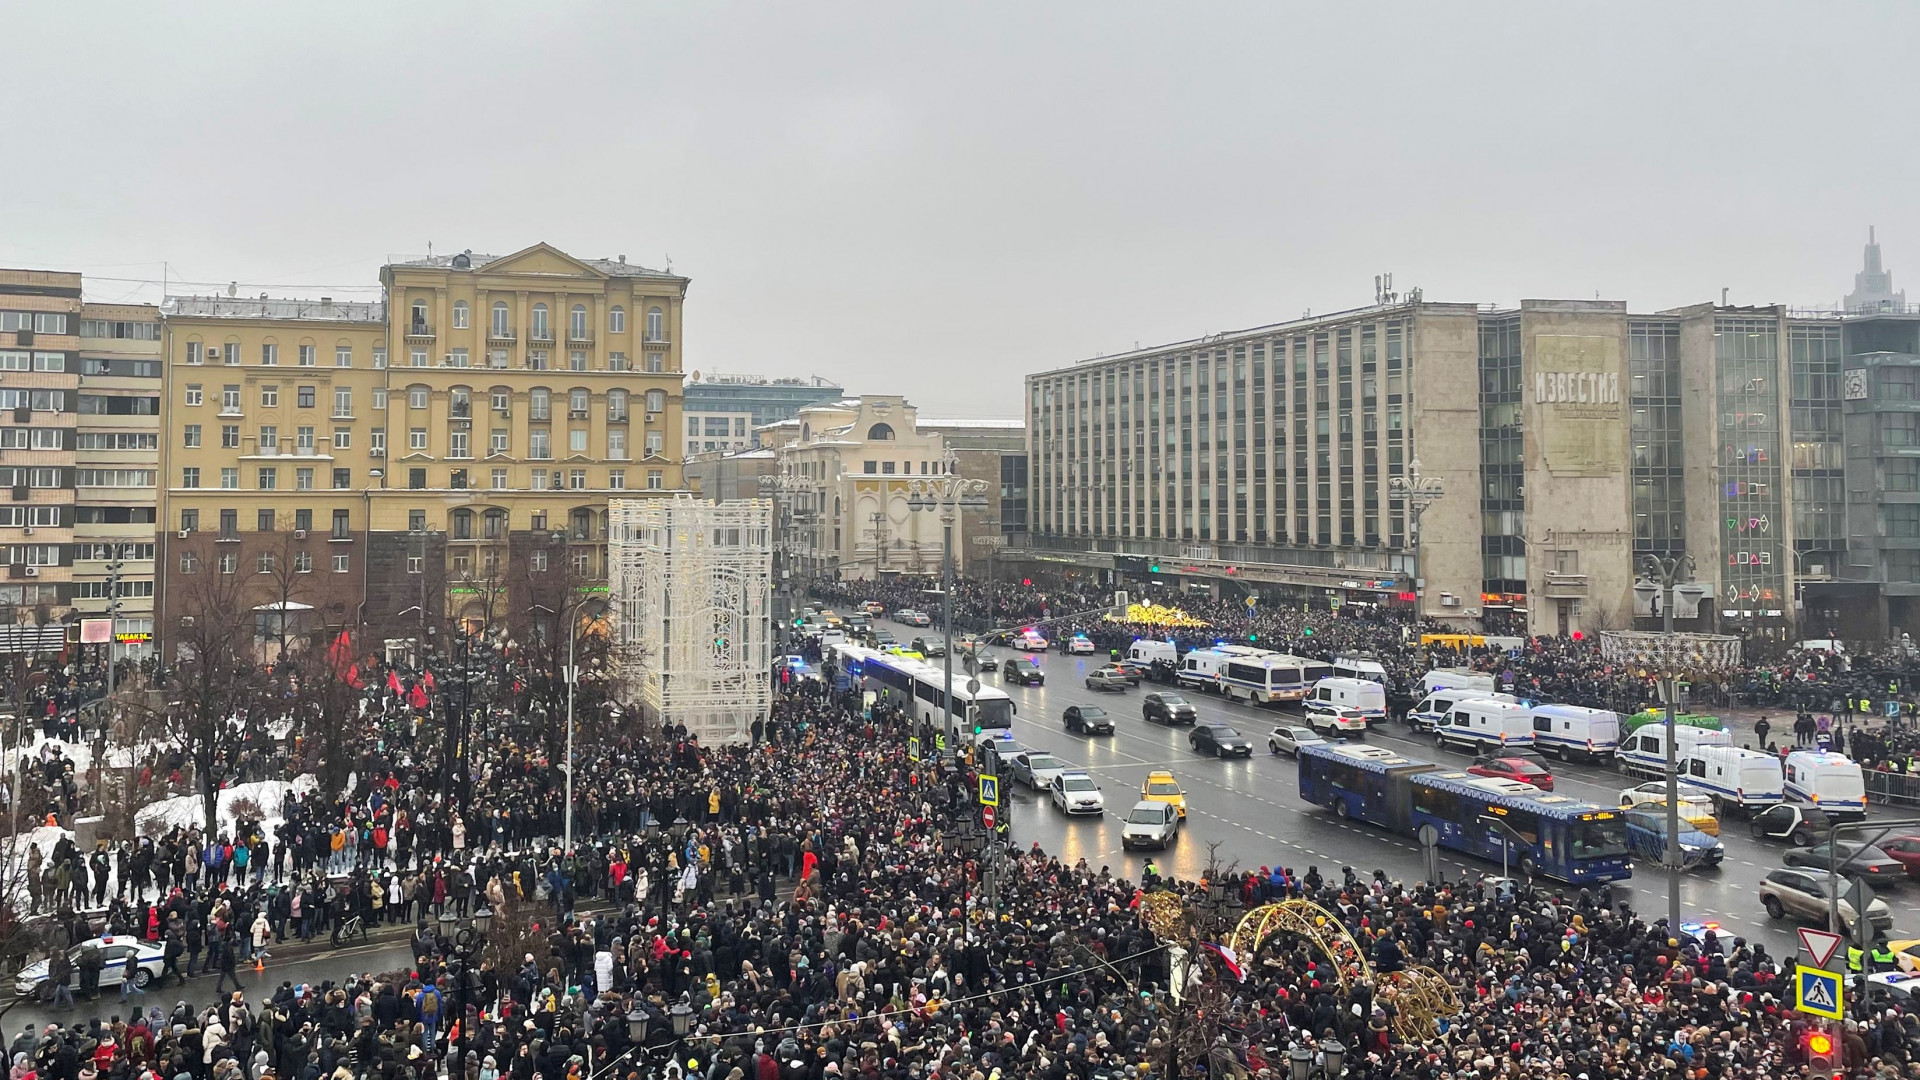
x=1338 y=721
x=1150 y=824
x=1036 y=768
x=1656 y=792
x=113 y=954
x=1029 y=641
x=1076 y=793
x=1080 y=644
x=1288 y=740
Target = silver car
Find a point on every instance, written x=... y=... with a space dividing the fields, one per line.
x=1804 y=894
x=1150 y=824
x=1076 y=793
x=1287 y=739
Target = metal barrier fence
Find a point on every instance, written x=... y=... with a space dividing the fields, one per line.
x=1892 y=788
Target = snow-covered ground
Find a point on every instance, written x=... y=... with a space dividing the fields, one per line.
x=185 y=811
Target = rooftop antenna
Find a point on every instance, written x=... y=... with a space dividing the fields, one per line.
x=1383 y=289
x=429 y=249
x=1723 y=297
x=669 y=264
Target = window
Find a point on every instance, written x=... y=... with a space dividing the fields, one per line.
x=379 y=357
x=190 y=476
x=501 y=329
x=617 y=320
x=230 y=400
x=189 y=563
x=377 y=441
x=342 y=479
x=459 y=314
x=537 y=561
x=194 y=395
x=416 y=521
x=303 y=562
x=617 y=361
x=869 y=467
x=617 y=444
x=230 y=478
x=416 y=479
x=497 y=441
x=577 y=440
x=538 y=330
x=501 y=399
x=460 y=403
x=656 y=480
x=341 y=563
x=229 y=436
x=539 y=404
x=230 y=354
x=193 y=352
x=536 y=359
x=886 y=467
x=269 y=354
x=263 y=521
x=463 y=524
x=343 y=356
x=539 y=444
x=577 y=479
x=416 y=564
x=229 y=524
x=303 y=478
x=103 y=405
x=656 y=401
x=417 y=438
x=309 y=355
x=343 y=401
x=616 y=405
x=880 y=433
x=189 y=520
x=341 y=530
x=379 y=399
x=496 y=358
x=617 y=479
x=539 y=521
x=190 y=437
x=342 y=438
x=495 y=525
x=270 y=396
x=229 y=563
x=499 y=478
x=303 y=439
x=655 y=443
x=269 y=478
x=656 y=363
x=656 y=324
x=417 y=357
x=303 y=397
x=576 y=360
x=577 y=323
x=577 y=404
x=113 y=477
x=457 y=445
x=582 y=559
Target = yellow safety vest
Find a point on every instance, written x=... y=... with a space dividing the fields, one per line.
x=1853 y=958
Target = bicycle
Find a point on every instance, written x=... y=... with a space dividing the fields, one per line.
x=349 y=926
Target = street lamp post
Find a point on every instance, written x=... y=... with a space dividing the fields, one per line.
x=1671 y=659
x=947 y=494
x=1419 y=492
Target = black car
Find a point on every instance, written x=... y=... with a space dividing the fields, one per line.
x=1220 y=740
x=1087 y=720
x=1800 y=825
x=1167 y=709
x=1023 y=671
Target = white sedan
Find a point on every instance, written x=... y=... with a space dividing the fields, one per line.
x=1076 y=793
x=113 y=955
x=1288 y=740
x=1656 y=792
x=1080 y=644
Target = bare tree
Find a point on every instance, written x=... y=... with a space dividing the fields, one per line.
x=556 y=608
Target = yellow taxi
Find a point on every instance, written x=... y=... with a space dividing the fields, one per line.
x=1161 y=787
x=903 y=651
x=831 y=618
x=1696 y=806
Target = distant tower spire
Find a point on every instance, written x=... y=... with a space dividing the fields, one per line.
x=1873 y=285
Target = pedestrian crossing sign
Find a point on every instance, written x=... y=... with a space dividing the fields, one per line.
x=1818 y=992
x=989 y=790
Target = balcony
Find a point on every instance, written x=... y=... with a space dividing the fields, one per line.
x=1566 y=586
x=539 y=337
x=579 y=337
x=500 y=335
x=419 y=331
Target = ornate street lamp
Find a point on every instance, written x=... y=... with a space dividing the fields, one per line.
x=682 y=1016
x=1419 y=492
x=948 y=495
x=637 y=1026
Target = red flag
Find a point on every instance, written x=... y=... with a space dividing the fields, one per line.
x=418 y=699
x=427 y=677
x=340 y=653
x=393 y=681
x=353 y=677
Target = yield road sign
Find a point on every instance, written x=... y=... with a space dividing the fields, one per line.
x=986 y=816
x=1819 y=944
x=1818 y=992
x=989 y=790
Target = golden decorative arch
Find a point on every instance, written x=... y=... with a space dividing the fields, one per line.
x=1419 y=995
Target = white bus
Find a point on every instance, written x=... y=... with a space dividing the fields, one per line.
x=917 y=687
x=1274 y=677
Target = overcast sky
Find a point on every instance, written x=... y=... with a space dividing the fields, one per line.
x=935 y=199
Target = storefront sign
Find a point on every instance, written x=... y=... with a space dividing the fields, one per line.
x=1576 y=388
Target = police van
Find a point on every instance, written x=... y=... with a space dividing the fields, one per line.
x=1573 y=732
x=1434 y=708
x=1332 y=694
x=1735 y=776
x=1202 y=668
x=1143 y=651
x=1481 y=726
x=1458 y=679
x=1644 y=752
x=1829 y=781
x=1359 y=667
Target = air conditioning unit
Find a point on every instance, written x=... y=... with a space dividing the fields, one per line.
x=652 y=416
x=183 y=534
x=378 y=451
x=299 y=534
x=28 y=530
x=1448 y=599
x=33 y=571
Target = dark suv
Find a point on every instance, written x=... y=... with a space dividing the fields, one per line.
x=1023 y=671
x=1167 y=708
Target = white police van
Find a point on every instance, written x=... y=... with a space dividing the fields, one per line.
x=1574 y=732
x=1734 y=776
x=1644 y=752
x=1332 y=694
x=1481 y=726
x=1829 y=781
x=1435 y=706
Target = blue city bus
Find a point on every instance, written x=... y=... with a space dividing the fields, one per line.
x=1554 y=836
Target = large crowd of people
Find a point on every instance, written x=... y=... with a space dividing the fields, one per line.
x=804 y=908
x=801 y=901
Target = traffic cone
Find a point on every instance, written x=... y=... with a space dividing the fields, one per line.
x=260 y=961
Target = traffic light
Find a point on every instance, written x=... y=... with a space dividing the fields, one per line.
x=1153 y=568
x=1821 y=1057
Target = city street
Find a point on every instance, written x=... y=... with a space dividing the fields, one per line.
x=1250 y=807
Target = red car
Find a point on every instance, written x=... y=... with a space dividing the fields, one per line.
x=1906 y=849
x=1514 y=768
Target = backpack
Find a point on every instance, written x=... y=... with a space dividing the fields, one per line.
x=429 y=1005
